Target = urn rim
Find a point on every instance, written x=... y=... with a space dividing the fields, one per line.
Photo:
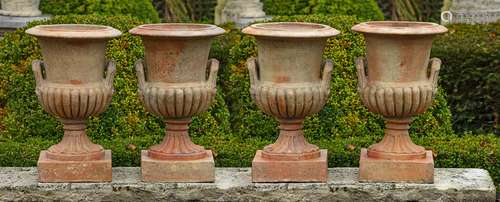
x=399 y=28
x=74 y=31
x=291 y=30
x=177 y=30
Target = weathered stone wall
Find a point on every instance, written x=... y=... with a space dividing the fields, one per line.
x=470 y=11
x=474 y=5
x=234 y=184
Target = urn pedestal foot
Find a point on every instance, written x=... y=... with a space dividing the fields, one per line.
x=50 y=170
x=311 y=170
x=198 y=170
x=385 y=170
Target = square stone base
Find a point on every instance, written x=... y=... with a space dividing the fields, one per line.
x=201 y=170
x=409 y=171
x=50 y=170
x=314 y=170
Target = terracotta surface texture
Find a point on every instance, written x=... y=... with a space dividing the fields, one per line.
x=70 y=86
x=173 y=83
x=289 y=81
x=269 y=170
x=199 y=170
x=397 y=81
x=419 y=170
x=20 y=7
x=50 y=170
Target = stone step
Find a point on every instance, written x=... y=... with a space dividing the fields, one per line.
x=234 y=184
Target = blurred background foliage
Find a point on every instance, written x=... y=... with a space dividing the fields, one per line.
x=363 y=9
x=412 y=10
x=186 y=10
x=141 y=9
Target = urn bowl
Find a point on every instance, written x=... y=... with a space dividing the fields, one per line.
x=177 y=101
x=290 y=101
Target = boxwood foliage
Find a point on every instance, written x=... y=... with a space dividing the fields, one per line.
x=142 y=9
x=344 y=126
x=363 y=9
x=471 y=75
x=125 y=127
x=344 y=116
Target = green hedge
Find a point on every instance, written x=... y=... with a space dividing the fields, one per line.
x=363 y=9
x=125 y=127
x=471 y=75
x=344 y=126
x=233 y=128
x=343 y=117
x=142 y=9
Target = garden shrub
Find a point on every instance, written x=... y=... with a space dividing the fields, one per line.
x=142 y=9
x=363 y=9
x=345 y=126
x=124 y=127
x=471 y=75
x=467 y=151
x=344 y=116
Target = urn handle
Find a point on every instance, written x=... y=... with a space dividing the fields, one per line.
x=434 y=72
x=327 y=73
x=361 y=72
x=38 y=69
x=110 y=73
x=141 y=77
x=213 y=68
x=253 y=69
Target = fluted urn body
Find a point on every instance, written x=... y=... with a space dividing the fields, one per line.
x=399 y=81
x=177 y=81
x=20 y=7
x=74 y=81
x=289 y=81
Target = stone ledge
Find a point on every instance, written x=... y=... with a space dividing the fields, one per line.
x=17 y=22
x=11 y=23
x=234 y=184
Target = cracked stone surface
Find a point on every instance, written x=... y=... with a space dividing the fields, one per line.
x=234 y=184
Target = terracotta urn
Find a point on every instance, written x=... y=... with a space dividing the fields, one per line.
x=20 y=7
x=74 y=81
x=290 y=81
x=177 y=82
x=397 y=81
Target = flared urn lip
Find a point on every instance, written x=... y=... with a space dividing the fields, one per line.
x=291 y=30
x=177 y=30
x=74 y=31
x=399 y=28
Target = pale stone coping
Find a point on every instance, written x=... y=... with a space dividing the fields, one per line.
x=470 y=17
x=234 y=184
x=18 y=22
x=241 y=12
x=470 y=11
